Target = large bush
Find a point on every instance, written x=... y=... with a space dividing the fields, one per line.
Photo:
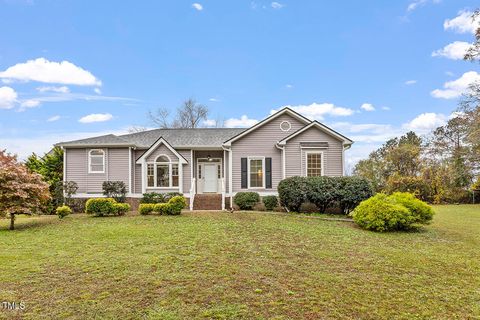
x=416 y=185
x=100 y=206
x=322 y=191
x=270 y=202
x=115 y=189
x=400 y=211
x=292 y=192
x=351 y=191
x=246 y=200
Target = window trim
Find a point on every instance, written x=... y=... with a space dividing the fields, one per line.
x=155 y=164
x=263 y=172
x=321 y=162
x=90 y=160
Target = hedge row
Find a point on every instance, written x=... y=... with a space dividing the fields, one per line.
x=324 y=192
x=106 y=206
x=153 y=197
x=174 y=206
x=399 y=211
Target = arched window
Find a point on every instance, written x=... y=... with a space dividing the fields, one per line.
x=163 y=173
x=96 y=161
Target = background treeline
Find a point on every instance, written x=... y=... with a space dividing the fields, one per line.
x=441 y=167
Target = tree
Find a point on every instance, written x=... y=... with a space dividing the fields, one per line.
x=189 y=115
x=50 y=167
x=473 y=53
x=21 y=191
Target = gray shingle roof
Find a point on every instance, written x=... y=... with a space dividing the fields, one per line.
x=176 y=138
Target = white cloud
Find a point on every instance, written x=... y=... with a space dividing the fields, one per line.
x=426 y=122
x=318 y=111
x=454 y=89
x=463 y=23
x=410 y=82
x=97 y=91
x=8 y=98
x=367 y=107
x=385 y=108
x=96 y=117
x=197 y=6
x=450 y=73
x=419 y=3
x=210 y=123
x=355 y=128
x=42 y=70
x=54 y=118
x=214 y=100
x=244 y=121
x=277 y=5
x=62 y=89
x=455 y=50
x=30 y=103
x=289 y=86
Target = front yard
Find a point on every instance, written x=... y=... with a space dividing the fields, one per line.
x=241 y=265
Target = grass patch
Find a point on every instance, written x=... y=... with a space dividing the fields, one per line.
x=240 y=265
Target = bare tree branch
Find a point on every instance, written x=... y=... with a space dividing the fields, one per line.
x=160 y=118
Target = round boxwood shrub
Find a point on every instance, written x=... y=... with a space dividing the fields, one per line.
x=246 y=200
x=292 y=192
x=63 y=211
x=388 y=213
x=177 y=204
x=146 y=208
x=121 y=208
x=422 y=211
x=270 y=202
x=100 y=206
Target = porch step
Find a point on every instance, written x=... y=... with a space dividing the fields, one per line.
x=207 y=202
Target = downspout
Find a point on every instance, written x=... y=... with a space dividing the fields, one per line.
x=345 y=147
x=230 y=183
x=283 y=159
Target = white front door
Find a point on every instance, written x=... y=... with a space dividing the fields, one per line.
x=210 y=179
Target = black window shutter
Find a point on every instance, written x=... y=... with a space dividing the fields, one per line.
x=244 y=173
x=268 y=173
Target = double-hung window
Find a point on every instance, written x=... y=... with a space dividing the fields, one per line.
x=256 y=172
x=96 y=161
x=314 y=164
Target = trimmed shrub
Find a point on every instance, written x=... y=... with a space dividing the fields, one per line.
x=161 y=208
x=422 y=211
x=270 y=202
x=100 y=206
x=115 y=189
x=322 y=191
x=63 y=211
x=146 y=208
x=246 y=200
x=121 y=208
x=351 y=191
x=153 y=197
x=292 y=192
x=177 y=204
x=173 y=207
x=388 y=213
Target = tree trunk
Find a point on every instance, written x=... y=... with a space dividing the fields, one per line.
x=12 y=221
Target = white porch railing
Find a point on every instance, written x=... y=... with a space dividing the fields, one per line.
x=193 y=191
x=223 y=193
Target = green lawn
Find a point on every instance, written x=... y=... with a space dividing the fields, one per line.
x=241 y=265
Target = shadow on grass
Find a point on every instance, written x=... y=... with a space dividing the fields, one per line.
x=23 y=223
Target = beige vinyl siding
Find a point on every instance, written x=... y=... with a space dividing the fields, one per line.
x=295 y=156
x=77 y=162
x=162 y=149
x=187 y=176
x=261 y=142
x=118 y=165
x=137 y=168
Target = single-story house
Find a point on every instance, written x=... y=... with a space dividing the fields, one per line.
x=208 y=165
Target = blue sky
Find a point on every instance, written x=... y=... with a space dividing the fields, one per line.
x=71 y=69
